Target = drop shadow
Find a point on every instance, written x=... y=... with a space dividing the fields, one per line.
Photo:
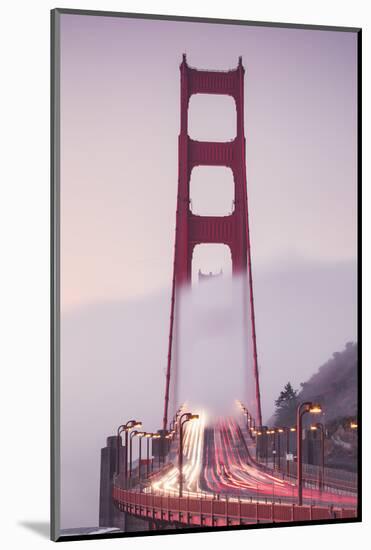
x=41 y=528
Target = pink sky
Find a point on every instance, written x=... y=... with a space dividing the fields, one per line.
x=120 y=122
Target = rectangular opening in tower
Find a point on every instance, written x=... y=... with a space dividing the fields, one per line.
x=212 y=191
x=212 y=117
x=210 y=261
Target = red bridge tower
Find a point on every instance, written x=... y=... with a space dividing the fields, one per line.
x=232 y=230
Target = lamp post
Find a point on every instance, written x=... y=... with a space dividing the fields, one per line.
x=124 y=428
x=152 y=437
x=141 y=435
x=272 y=432
x=168 y=438
x=160 y=448
x=246 y=413
x=319 y=426
x=120 y=429
x=187 y=417
x=133 y=434
x=258 y=449
x=148 y=436
x=250 y=424
x=302 y=408
x=279 y=431
x=132 y=424
x=163 y=447
x=263 y=447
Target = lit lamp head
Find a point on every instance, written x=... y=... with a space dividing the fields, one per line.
x=129 y=425
x=353 y=425
x=279 y=430
x=141 y=434
x=147 y=435
x=315 y=408
x=133 y=424
x=190 y=416
x=293 y=429
x=156 y=436
x=313 y=428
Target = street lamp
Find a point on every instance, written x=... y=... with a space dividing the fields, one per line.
x=161 y=448
x=319 y=426
x=133 y=434
x=245 y=412
x=153 y=436
x=271 y=432
x=353 y=425
x=249 y=419
x=129 y=426
x=302 y=408
x=279 y=431
x=249 y=423
x=169 y=436
x=187 y=417
x=258 y=447
x=141 y=435
x=263 y=447
x=124 y=428
x=286 y=431
x=148 y=436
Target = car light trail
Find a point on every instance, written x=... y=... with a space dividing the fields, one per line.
x=193 y=450
x=229 y=470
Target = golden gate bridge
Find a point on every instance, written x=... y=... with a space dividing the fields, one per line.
x=216 y=472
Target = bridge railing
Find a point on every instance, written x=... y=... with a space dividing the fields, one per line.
x=209 y=511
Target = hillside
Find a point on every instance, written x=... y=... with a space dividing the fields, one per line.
x=334 y=385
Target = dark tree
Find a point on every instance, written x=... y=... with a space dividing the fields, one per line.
x=286 y=406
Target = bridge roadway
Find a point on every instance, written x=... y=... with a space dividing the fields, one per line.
x=229 y=469
x=223 y=485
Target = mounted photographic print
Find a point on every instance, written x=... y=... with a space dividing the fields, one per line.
x=205 y=365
